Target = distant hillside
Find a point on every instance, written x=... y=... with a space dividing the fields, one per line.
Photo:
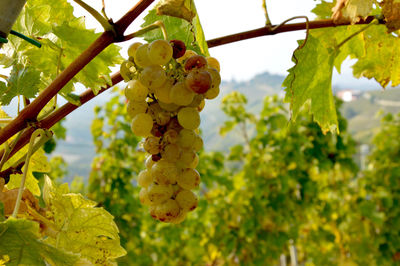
x=78 y=149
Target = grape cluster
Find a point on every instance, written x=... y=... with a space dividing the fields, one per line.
x=166 y=89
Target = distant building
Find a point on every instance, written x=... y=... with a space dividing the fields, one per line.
x=348 y=95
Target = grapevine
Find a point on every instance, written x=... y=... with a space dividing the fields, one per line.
x=166 y=89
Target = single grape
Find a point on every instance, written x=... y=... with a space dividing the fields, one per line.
x=178 y=48
x=198 y=81
x=189 y=118
x=171 y=152
x=187 y=200
x=162 y=92
x=162 y=118
x=167 y=210
x=180 y=218
x=171 y=107
x=213 y=62
x=170 y=136
x=134 y=108
x=125 y=70
x=212 y=93
x=157 y=194
x=160 y=52
x=144 y=178
x=132 y=48
x=153 y=76
x=164 y=172
x=152 y=145
x=195 y=61
x=144 y=197
x=188 y=156
x=195 y=162
x=198 y=143
x=180 y=94
x=149 y=162
x=141 y=57
x=142 y=124
x=187 y=54
x=136 y=91
x=186 y=138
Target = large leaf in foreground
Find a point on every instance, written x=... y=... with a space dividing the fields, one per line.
x=82 y=227
x=311 y=80
x=19 y=240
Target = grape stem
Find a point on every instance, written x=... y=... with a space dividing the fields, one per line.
x=155 y=25
x=43 y=135
x=267 y=20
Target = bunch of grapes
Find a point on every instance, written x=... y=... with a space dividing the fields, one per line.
x=166 y=90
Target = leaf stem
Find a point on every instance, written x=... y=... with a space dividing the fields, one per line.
x=267 y=20
x=43 y=137
x=8 y=150
x=102 y=20
x=155 y=25
x=374 y=22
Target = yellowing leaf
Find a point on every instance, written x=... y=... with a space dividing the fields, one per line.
x=351 y=10
x=391 y=12
x=83 y=228
x=176 y=8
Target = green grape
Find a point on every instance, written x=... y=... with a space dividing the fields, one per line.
x=197 y=100
x=199 y=81
x=132 y=48
x=171 y=152
x=189 y=118
x=198 y=143
x=186 y=138
x=134 y=108
x=170 y=136
x=163 y=118
x=158 y=194
x=144 y=178
x=187 y=158
x=125 y=70
x=162 y=92
x=167 y=210
x=201 y=105
x=213 y=62
x=189 y=179
x=136 y=91
x=187 y=54
x=152 y=145
x=142 y=124
x=180 y=94
x=149 y=162
x=213 y=92
x=187 y=200
x=195 y=162
x=160 y=52
x=171 y=107
x=164 y=172
x=144 y=197
x=153 y=76
x=141 y=57
x=180 y=218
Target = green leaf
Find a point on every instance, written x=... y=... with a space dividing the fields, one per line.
x=382 y=58
x=311 y=80
x=22 y=81
x=178 y=28
x=83 y=228
x=19 y=240
x=323 y=10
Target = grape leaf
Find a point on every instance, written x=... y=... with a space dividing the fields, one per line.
x=323 y=10
x=176 y=8
x=63 y=39
x=190 y=33
x=22 y=81
x=311 y=79
x=38 y=163
x=19 y=240
x=382 y=58
x=83 y=228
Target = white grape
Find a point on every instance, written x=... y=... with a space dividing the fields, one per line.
x=187 y=200
x=144 y=178
x=136 y=91
x=142 y=124
x=159 y=52
x=132 y=48
x=157 y=194
x=133 y=108
x=141 y=57
x=189 y=118
x=180 y=94
x=189 y=179
x=153 y=76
